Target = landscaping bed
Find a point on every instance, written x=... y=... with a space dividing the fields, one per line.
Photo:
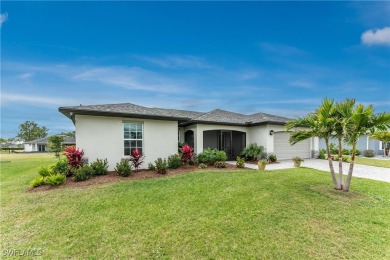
x=113 y=176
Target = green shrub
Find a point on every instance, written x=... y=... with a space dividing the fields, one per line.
x=272 y=158
x=123 y=168
x=345 y=152
x=194 y=160
x=61 y=167
x=344 y=158
x=252 y=151
x=83 y=173
x=38 y=181
x=263 y=155
x=357 y=152
x=220 y=164
x=202 y=166
x=100 y=167
x=321 y=154
x=151 y=167
x=211 y=156
x=56 y=179
x=368 y=153
x=161 y=165
x=333 y=149
x=45 y=171
x=174 y=161
x=240 y=162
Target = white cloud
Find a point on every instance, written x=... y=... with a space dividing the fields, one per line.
x=376 y=36
x=302 y=84
x=131 y=78
x=177 y=61
x=281 y=49
x=313 y=101
x=36 y=100
x=3 y=18
x=25 y=75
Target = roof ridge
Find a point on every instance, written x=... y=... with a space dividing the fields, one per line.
x=205 y=113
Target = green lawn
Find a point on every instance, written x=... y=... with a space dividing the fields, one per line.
x=284 y=214
x=373 y=162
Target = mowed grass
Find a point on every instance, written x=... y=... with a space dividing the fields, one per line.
x=373 y=162
x=283 y=214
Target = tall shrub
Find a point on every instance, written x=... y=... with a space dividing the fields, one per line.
x=74 y=156
x=252 y=151
x=186 y=153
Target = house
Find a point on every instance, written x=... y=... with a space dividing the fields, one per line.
x=364 y=143
x=112 y=131
x=40 y=145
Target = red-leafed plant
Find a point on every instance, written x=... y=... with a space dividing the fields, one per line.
x=74 y=156
x=136 y=158
x=186 y=153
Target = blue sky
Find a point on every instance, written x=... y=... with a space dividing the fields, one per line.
x=277 y=57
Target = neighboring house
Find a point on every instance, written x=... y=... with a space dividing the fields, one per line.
x=112 y=131
x=364 y=143
x=40 y=145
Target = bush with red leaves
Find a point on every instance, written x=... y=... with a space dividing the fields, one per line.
x=74 y=156
x=136 y=158
x=186 y=153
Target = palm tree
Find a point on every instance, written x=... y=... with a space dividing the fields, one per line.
x=384 y=137
x=342 y=112
x=361 y=121
x=319 y=124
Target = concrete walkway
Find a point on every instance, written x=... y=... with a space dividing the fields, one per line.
x=362 y=171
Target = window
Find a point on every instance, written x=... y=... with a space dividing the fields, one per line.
x=383 y=145
x=133 y=137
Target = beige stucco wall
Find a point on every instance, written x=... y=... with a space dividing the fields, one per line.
x=102 y=137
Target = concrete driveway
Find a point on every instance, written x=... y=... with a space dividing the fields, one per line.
x=362 y=171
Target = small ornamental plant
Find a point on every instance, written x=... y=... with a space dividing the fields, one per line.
x=262 y=163
x=74 y=156
x=136 y=158
x=240 y=162
x=297 y=161
x=186 y=153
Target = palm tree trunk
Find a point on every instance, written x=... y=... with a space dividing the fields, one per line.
x=341 y=181
x=336 y=185
x=350 y=171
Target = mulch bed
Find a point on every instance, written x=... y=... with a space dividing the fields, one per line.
x=113 y=176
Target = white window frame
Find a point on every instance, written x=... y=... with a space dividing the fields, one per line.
x=133 y=139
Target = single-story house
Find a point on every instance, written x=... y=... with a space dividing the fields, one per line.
x=40 y=145
x=364 y=143
x=112 y=131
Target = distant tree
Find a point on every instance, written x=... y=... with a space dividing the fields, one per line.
x=70 y=133
x=55 y=144
x=3 y=141
x=30 y=130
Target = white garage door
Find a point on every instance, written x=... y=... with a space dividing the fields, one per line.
x=284 y=150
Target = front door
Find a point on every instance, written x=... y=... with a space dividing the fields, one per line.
x=225 y=143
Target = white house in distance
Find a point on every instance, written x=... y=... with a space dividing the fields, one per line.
x=112 y=131
x=40 y=145
x=364 y=143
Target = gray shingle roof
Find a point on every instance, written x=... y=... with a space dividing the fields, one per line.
x=67 y=140
x=185 y=117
